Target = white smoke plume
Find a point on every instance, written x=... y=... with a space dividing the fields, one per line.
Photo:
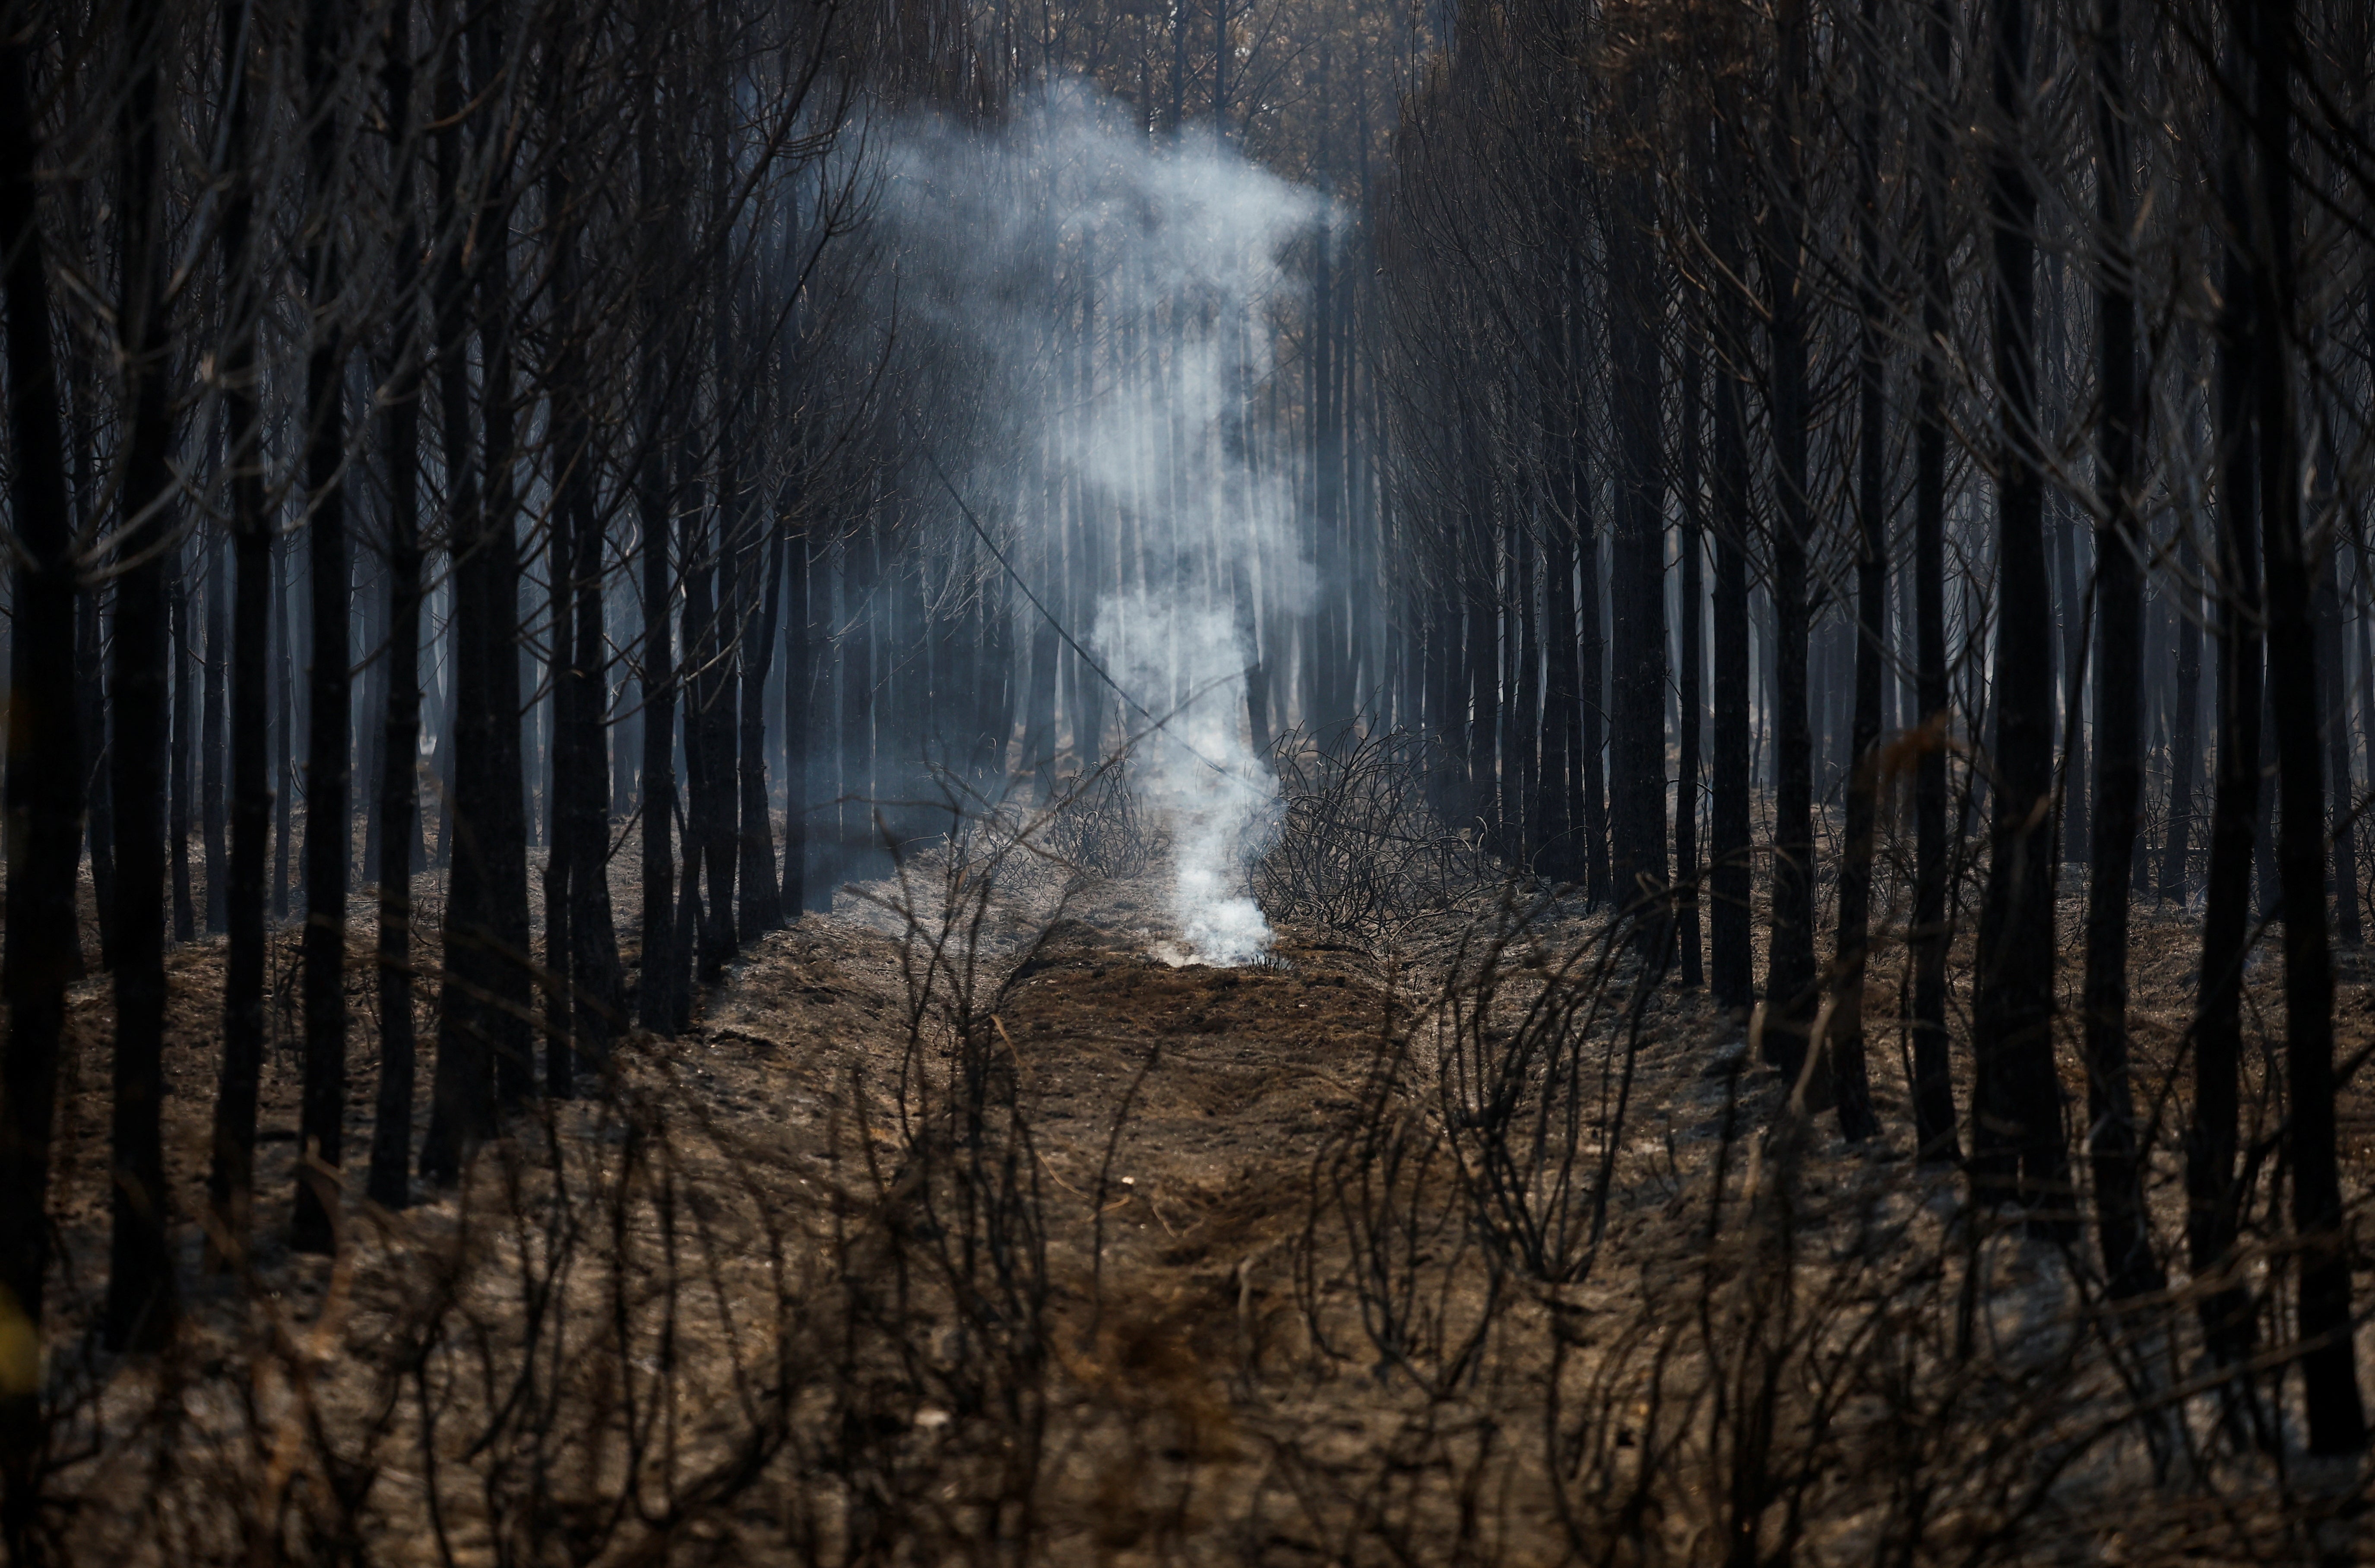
x=1198 y=774
x=1139 y=510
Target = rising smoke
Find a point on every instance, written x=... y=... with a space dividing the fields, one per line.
x=1109 y=296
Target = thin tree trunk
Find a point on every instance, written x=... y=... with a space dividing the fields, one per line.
x=798 y=673
x=1730 y=876
x=2334 y=684
x=329 y=823
x=1857 y=1121
x=282 y=658
x=42 y=955
x=142 y=1301
x=762 y=905
x=90 y=663
x=657 y=1004
x=1791 y=978
x=2185 y=740
x=2337 y=1421
x=1931 y=933
x=1592 y=657
x=462 y=1111
x=211 y=782
x=1687 y=868
x=2020 y=1153
x=502 y=819
x=2128 y=1262
x=1558 y=789
x=231 y=1184
x=389 y=1183
x=2212 y=1196
x=179 y=740
x=1636 y=753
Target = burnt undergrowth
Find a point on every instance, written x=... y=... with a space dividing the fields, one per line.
x=918 y=1248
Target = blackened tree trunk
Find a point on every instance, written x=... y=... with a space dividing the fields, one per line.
x=41 y=955
x=565 y=419
x=90 y=663
x=462 y=1112
x=1931 y=934
x=501 y=822
x=2129 y=1266
x=710 y=842
x=329 y=823
x=2212 y=1198
x=230 y=1185
x=657 y=1004
x=2337 y=1421
x=1637 y=751
x=581 y=774
x=1481 y=701
x=179 y=740
x=2019 y=1149
x=2185 y=739
x=1790 y=980
x=1732 y=960
x=211 y=783
x=1592 y=654
x=2077 y=838
x=1686 y=781
x=692 y=915
x=1560 y=788
x=799 y=670
x=1522 y=734
x=2334 y=715
x=142 y=1304
x=284 y=724
x=389 y=1183
x=762 y=905
x=659 y=1000
x=1856 y=1119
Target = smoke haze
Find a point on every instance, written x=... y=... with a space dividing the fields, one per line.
x=1111 y=294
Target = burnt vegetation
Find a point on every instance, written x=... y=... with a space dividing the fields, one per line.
x=1261 y=781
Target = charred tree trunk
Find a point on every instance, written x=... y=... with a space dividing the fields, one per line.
x=462 y=1109
x=211 y=783
x=2185 y=740
x=178 y=739
x=1559 y=792
x=2212 y=1198
x=503 y=822
x=2334 y=727
x=761 y=907
x=142 y=1302
x=1931 y=933
x=1592 y=657
x=389 y=1183
x=2129 y=1266
x=1791 y=978
x=799 y=671
x=42 y=955
x=1686 y=783
x=658 y=1003
x=2337 y=1421
x=1731 y=847
x=329 y=823
x=90 y=663
x=230 y=1176
x=2020 y=1154
x=1857 y=1121
x=1637 y=752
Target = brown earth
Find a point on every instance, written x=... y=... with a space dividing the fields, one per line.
x=1204 y=1379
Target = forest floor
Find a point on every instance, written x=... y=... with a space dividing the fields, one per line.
x=1260 y=1326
